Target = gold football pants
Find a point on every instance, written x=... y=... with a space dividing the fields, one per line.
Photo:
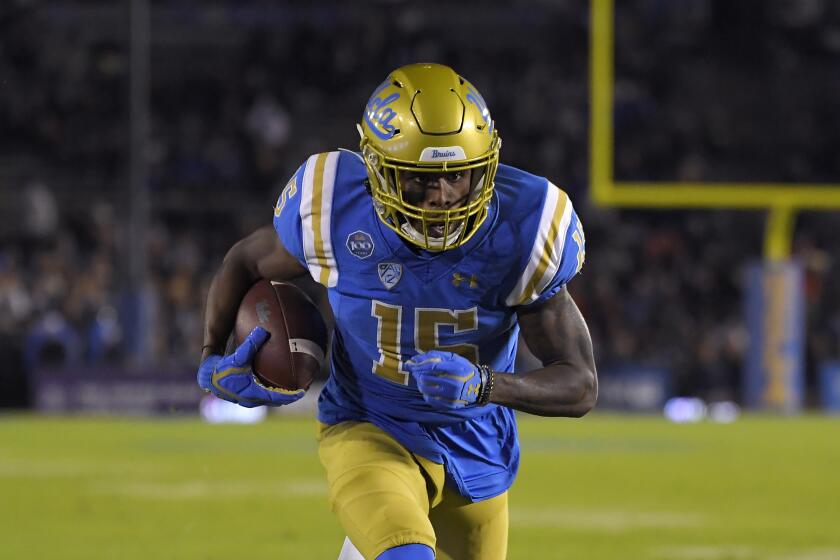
x=385 y=496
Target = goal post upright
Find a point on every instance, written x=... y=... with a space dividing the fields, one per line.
x=774 y=362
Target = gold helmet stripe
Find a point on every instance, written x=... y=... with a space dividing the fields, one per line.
x=315 y=214
x=547 y=250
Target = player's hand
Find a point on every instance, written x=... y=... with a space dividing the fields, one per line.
x=232 y=378
x=445 y=379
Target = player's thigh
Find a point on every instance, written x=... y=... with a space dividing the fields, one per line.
x=377 y=489
x=471 y=531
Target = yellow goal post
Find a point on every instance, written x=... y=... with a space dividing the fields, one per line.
x=782 y=200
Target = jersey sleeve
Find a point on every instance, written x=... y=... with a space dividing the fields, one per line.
x=303 y=217
x=287 y=221
x=557 y=252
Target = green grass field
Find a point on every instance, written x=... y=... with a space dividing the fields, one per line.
x=605 y=487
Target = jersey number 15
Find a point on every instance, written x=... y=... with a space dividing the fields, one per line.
x=427 y=323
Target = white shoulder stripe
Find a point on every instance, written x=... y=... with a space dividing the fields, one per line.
x=547 y=250
x=315 y=214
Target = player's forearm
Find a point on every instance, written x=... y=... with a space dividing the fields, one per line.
x=227 y=289
x=554 y=390
x=260 y=255
x=567 y=384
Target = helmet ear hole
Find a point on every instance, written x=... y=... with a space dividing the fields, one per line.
x=371 y=156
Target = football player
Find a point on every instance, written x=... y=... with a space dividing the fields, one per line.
x=435 y=257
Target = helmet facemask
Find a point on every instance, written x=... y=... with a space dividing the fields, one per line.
x=431 y=229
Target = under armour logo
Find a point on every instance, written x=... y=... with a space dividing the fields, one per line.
x=458 y=279
x=472 y=389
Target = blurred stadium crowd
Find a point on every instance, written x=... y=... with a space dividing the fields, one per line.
x=242 y=92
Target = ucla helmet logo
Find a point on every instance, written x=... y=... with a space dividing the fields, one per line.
x=379 y=113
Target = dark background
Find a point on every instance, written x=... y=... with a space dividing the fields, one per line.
x=240 y=93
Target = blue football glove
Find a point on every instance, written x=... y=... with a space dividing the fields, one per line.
x=445 y=379
x=232 y=379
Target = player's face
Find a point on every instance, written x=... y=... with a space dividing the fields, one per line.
x=436 y=191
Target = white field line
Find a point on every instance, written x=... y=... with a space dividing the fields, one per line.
x=604 y=520
x=223 y=489
x=703 y=552
x=740 y=552
x=815 y=554
x=64 y=468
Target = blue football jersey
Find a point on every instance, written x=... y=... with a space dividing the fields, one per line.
x=392 y=302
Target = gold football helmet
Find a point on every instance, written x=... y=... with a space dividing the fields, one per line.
x=426 y=118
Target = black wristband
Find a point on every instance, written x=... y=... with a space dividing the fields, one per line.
x=488 y=378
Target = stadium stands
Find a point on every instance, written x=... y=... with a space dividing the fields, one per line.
x=242 y=92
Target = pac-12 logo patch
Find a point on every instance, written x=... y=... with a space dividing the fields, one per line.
x=389 y=274
x=360 y=244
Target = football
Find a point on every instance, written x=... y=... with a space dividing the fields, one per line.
x=294 y=353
